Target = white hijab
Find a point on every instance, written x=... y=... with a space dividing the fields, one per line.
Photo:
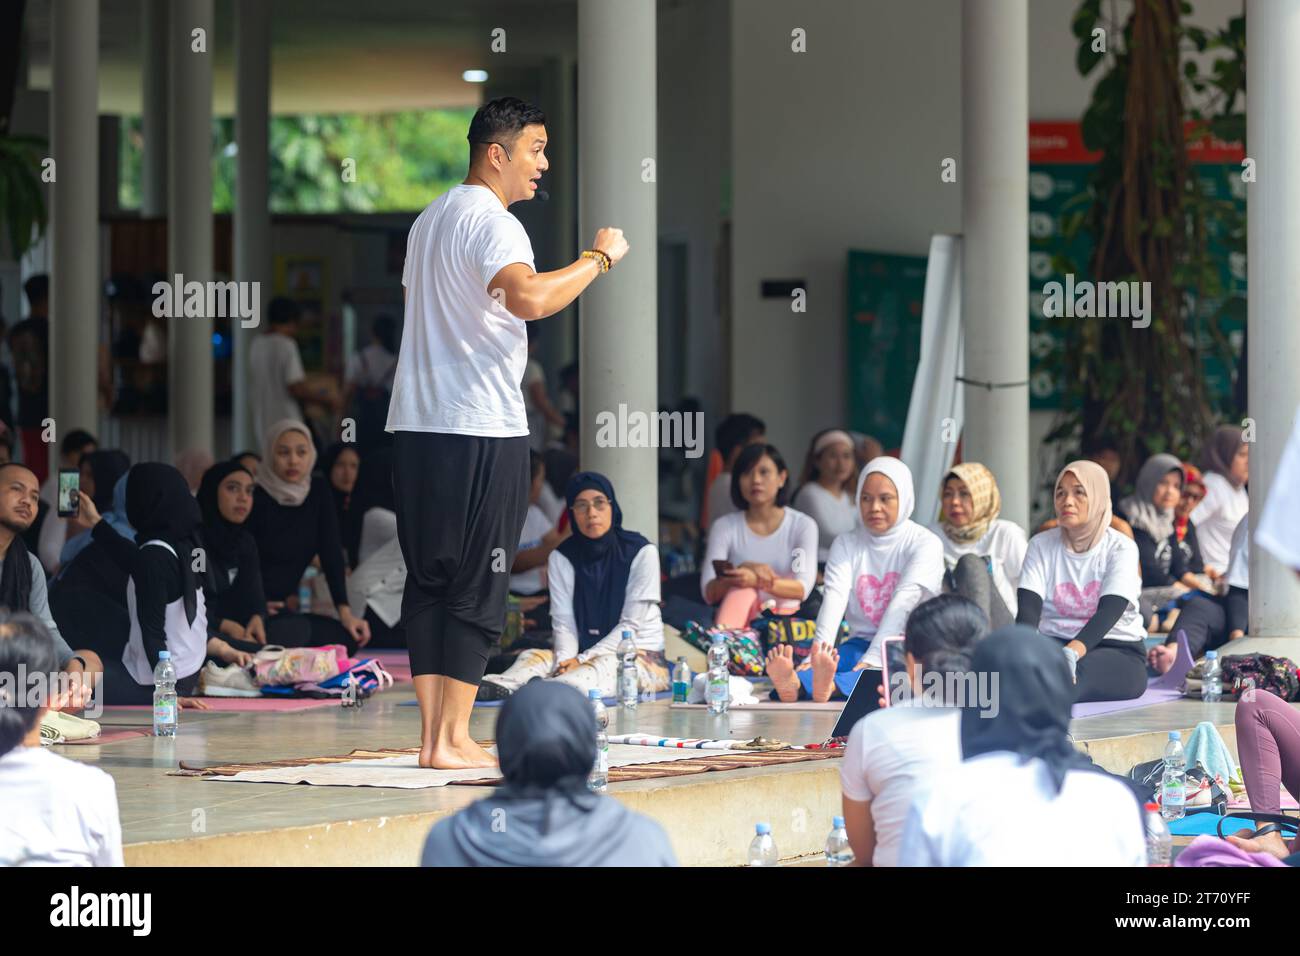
x=901 y=476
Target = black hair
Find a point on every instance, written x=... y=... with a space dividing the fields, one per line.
x=734 y=431
x=282 y=311
x=941 y=633
x=1093 y=445
x=384 y=328
x=26 y=650
x=246 y=454
x=501 y=121
x=535 y=464
x=76 y=441
x=37 y=289
x=748 y=459
x=812 y=473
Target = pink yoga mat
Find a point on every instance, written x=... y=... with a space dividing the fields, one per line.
x=1160 y=690
x=397 y=662
x=110 y=736
x=254 y=704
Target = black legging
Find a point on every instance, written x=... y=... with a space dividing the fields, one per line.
x=307 y=630
x=117 y=688
x=972 y=579
x=1113 y=670
x=381 y=635
x=1204 y=620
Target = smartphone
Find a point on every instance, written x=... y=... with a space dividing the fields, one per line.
x=895 y=664
x=722 y=567
x=69 y=490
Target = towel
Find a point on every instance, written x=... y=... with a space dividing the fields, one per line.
x=1206 y=749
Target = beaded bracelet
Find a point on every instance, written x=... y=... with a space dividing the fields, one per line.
x=601 y=258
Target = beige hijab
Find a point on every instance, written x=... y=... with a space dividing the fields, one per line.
x=1096 y=485
x=284 y=492
x=986 y=502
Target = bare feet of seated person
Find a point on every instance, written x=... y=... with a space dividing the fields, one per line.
x=825 y=662
x=780 y=668
x=1162 y=657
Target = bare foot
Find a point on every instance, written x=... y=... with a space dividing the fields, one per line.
x=466 y=756
x=824 y=664
x=1162 y=657
x=1272 y=843
x=780 y=667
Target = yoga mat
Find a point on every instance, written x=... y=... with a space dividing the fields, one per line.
x=1198 y=823
x=609 y=701
x=109 y=736
x=829 y=707
x=252 y=704
x=702 y=762
x=394 y=660
x=400 y=770
x=1160 y=690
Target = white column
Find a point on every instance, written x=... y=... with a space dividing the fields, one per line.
x=74 y=197
x=1273 y=283
x=994 y=177
x=561 y=114
x=153 y=112
x=189 y=231
x=252 y=187
x=617 y=314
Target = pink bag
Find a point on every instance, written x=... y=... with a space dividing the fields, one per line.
x=277 y=665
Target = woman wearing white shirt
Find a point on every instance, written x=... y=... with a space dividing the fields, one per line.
x=772 y=549
x=604 y=580
x=1226 y=461
x=1023 y=795
x=892 y=752
x=981 y=552
x=874 y=576
x=53 y=811
x=826 y=487
x=1080 y=585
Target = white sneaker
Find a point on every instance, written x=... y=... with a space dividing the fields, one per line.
x=229 y=681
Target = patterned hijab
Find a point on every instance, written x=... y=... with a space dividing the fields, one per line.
x=986 y=502
x=1096 y=486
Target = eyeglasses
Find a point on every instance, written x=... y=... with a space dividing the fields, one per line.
x=594 y=504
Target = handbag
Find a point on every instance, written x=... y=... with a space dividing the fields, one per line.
x=277 y=666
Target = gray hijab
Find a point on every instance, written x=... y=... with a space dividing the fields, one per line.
x=544 y=815
x=1139 y=507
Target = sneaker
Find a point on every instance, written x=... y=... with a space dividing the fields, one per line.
x=230 y=681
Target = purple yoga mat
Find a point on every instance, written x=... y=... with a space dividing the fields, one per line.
x=1168 y=686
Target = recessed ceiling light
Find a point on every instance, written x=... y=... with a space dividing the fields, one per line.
x=474 y=76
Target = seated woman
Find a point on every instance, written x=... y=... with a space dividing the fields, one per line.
x=874 y=577
x=1185 y=535
x=293 y=521
x=1023 y=795
x=1226 y=461
x=340 y=465
x=53 y=811
x=1208 y=620
x=371 y=517
x=249 y=459
x=102 y=478
x=771 y=549
x=537 y=539
x=232 y=577
x=826 y=487
x=1080 y=586
x=893 y=751
x=604 y=581
x=1150 y=512
x=1268 y=742
x=166 y=610
x=546 y=741
x=982 y=553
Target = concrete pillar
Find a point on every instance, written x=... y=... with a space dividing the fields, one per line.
x=1273 y=281
x=74 y=199
x=994 y=177
x=153 y=112
x=617 y=337
x=252 y=188
x=189 y=231
x=561 y=117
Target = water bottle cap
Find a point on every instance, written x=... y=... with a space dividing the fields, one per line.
x=762 y=829
x=164 y=655
x=837 y=822
x=719 y=638
x=1211 y=655
x=1175 y=735
x=1151 y=807
x=594 y=694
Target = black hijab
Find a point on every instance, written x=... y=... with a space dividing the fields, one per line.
x=340 y=498
x=601 y=566
x=107 y=466
x=374 y=489
x=220 y=536
x=160 y=507
x=1034 y=694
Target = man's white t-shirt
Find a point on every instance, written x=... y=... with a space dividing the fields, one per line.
x=1072 y=584
x=994 y=810
x=1216 y=517
x=536 y=524
x=273 y=365
x=463 y=355
x=56 y=812
x=890 y=756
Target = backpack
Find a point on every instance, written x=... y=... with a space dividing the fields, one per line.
x=1277 y=675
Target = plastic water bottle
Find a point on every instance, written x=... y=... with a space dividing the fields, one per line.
x=1212 y=681
x=762 y=849
x=164 y=696
x=598 y=780
x=838 y=851
x=1173 y=783
x=1160 y=844
x=681 y=681
x=629 y=688
x=304 y=590
x=718 y=693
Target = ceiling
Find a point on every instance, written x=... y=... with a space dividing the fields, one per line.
x=334 y=56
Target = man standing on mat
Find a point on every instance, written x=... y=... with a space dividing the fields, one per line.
x=460 y=449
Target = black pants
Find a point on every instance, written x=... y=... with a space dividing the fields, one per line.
x=972 y=579
x=1113 y=670
x=461 y=503
x=381 y=635
x=1204 y=620
x=307 y=630
x=118 y=688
